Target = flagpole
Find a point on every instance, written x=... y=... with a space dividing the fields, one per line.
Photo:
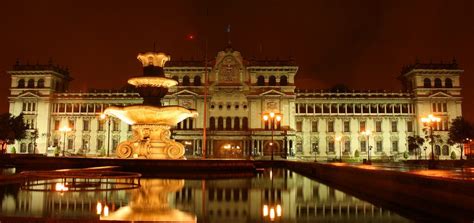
x=204 y=126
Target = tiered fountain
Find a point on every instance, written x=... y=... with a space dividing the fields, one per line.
x=151 y=121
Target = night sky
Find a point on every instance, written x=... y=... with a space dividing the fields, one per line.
x=363 y=44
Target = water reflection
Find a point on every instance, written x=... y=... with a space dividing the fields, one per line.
x=150 y=203
x=276 y=195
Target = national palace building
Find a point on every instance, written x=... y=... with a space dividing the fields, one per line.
x=314 y=123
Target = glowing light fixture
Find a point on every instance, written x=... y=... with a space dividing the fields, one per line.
x=99 y=207
x=265 y=210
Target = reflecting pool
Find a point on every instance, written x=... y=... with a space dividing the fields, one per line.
x=271 y=195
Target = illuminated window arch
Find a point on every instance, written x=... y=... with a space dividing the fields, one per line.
x=212 y=123
x=186 y=81
x=283 y=81
x=437 y=83
x=245 y=123
x=427 y=83
x=260 y=81
x=220 y=123
x=272 y=81
x=31 y=83
x=197 y=81
x=228 y=123
x=41 y=83
x=448 y=83
x=236 y=123
x=21 y=83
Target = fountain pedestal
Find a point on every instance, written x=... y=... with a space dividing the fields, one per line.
x=152 y=142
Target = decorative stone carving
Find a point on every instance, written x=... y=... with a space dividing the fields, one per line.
x=151 y=142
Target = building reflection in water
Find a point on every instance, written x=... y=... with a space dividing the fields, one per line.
x=150 y=203
x=299 y=199
x=233 y=200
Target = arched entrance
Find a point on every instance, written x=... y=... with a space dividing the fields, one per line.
x=275 y=145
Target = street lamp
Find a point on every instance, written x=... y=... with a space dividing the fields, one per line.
x=430 y=121
x=107 y=119
x=271 y=118
x=315 y=151
x=64 y=130
x=367 y=134
x=338 y=139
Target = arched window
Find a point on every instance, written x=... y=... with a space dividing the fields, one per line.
x=228 y=123
x=272 y=81
x=437 y=150
x=437 y=83
x=283 y=81
x=445 y=150
x=23 y=148
x=197 y=81
x=261 y=81
x=41 y=83
x=245 y=123
x=176 y=78
x=21 y=83
x=212 y=123
x=427 y=83
x=186 y=81
x=31 y=83
x=236 y=123
x=30 y=147
x=448 y=83
x=220 y=123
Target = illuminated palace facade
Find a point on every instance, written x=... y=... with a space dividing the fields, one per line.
x=314 y=123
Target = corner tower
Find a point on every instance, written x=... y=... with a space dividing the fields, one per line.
x=31 y=91
x=436 y=89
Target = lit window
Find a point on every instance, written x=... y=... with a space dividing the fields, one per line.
x=331 y=126
x=409 y=126
x=378 y=126
x=314 y=126
x=394 y=126
x=346 y=126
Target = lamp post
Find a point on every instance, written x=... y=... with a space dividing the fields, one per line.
x=430 y=121
x=64 y=130
x=107 y=119
x=271 y=118
x=338 y=139
x=315 y=150
x=367 y=134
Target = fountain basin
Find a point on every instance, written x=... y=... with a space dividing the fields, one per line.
x=145 y=114
x=152 y=82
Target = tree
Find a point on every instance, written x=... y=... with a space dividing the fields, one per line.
x=11 y=128
x=433 y=139
x=414 y=143
x=460 y=132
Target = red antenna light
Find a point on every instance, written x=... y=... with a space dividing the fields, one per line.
x=190 y=37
